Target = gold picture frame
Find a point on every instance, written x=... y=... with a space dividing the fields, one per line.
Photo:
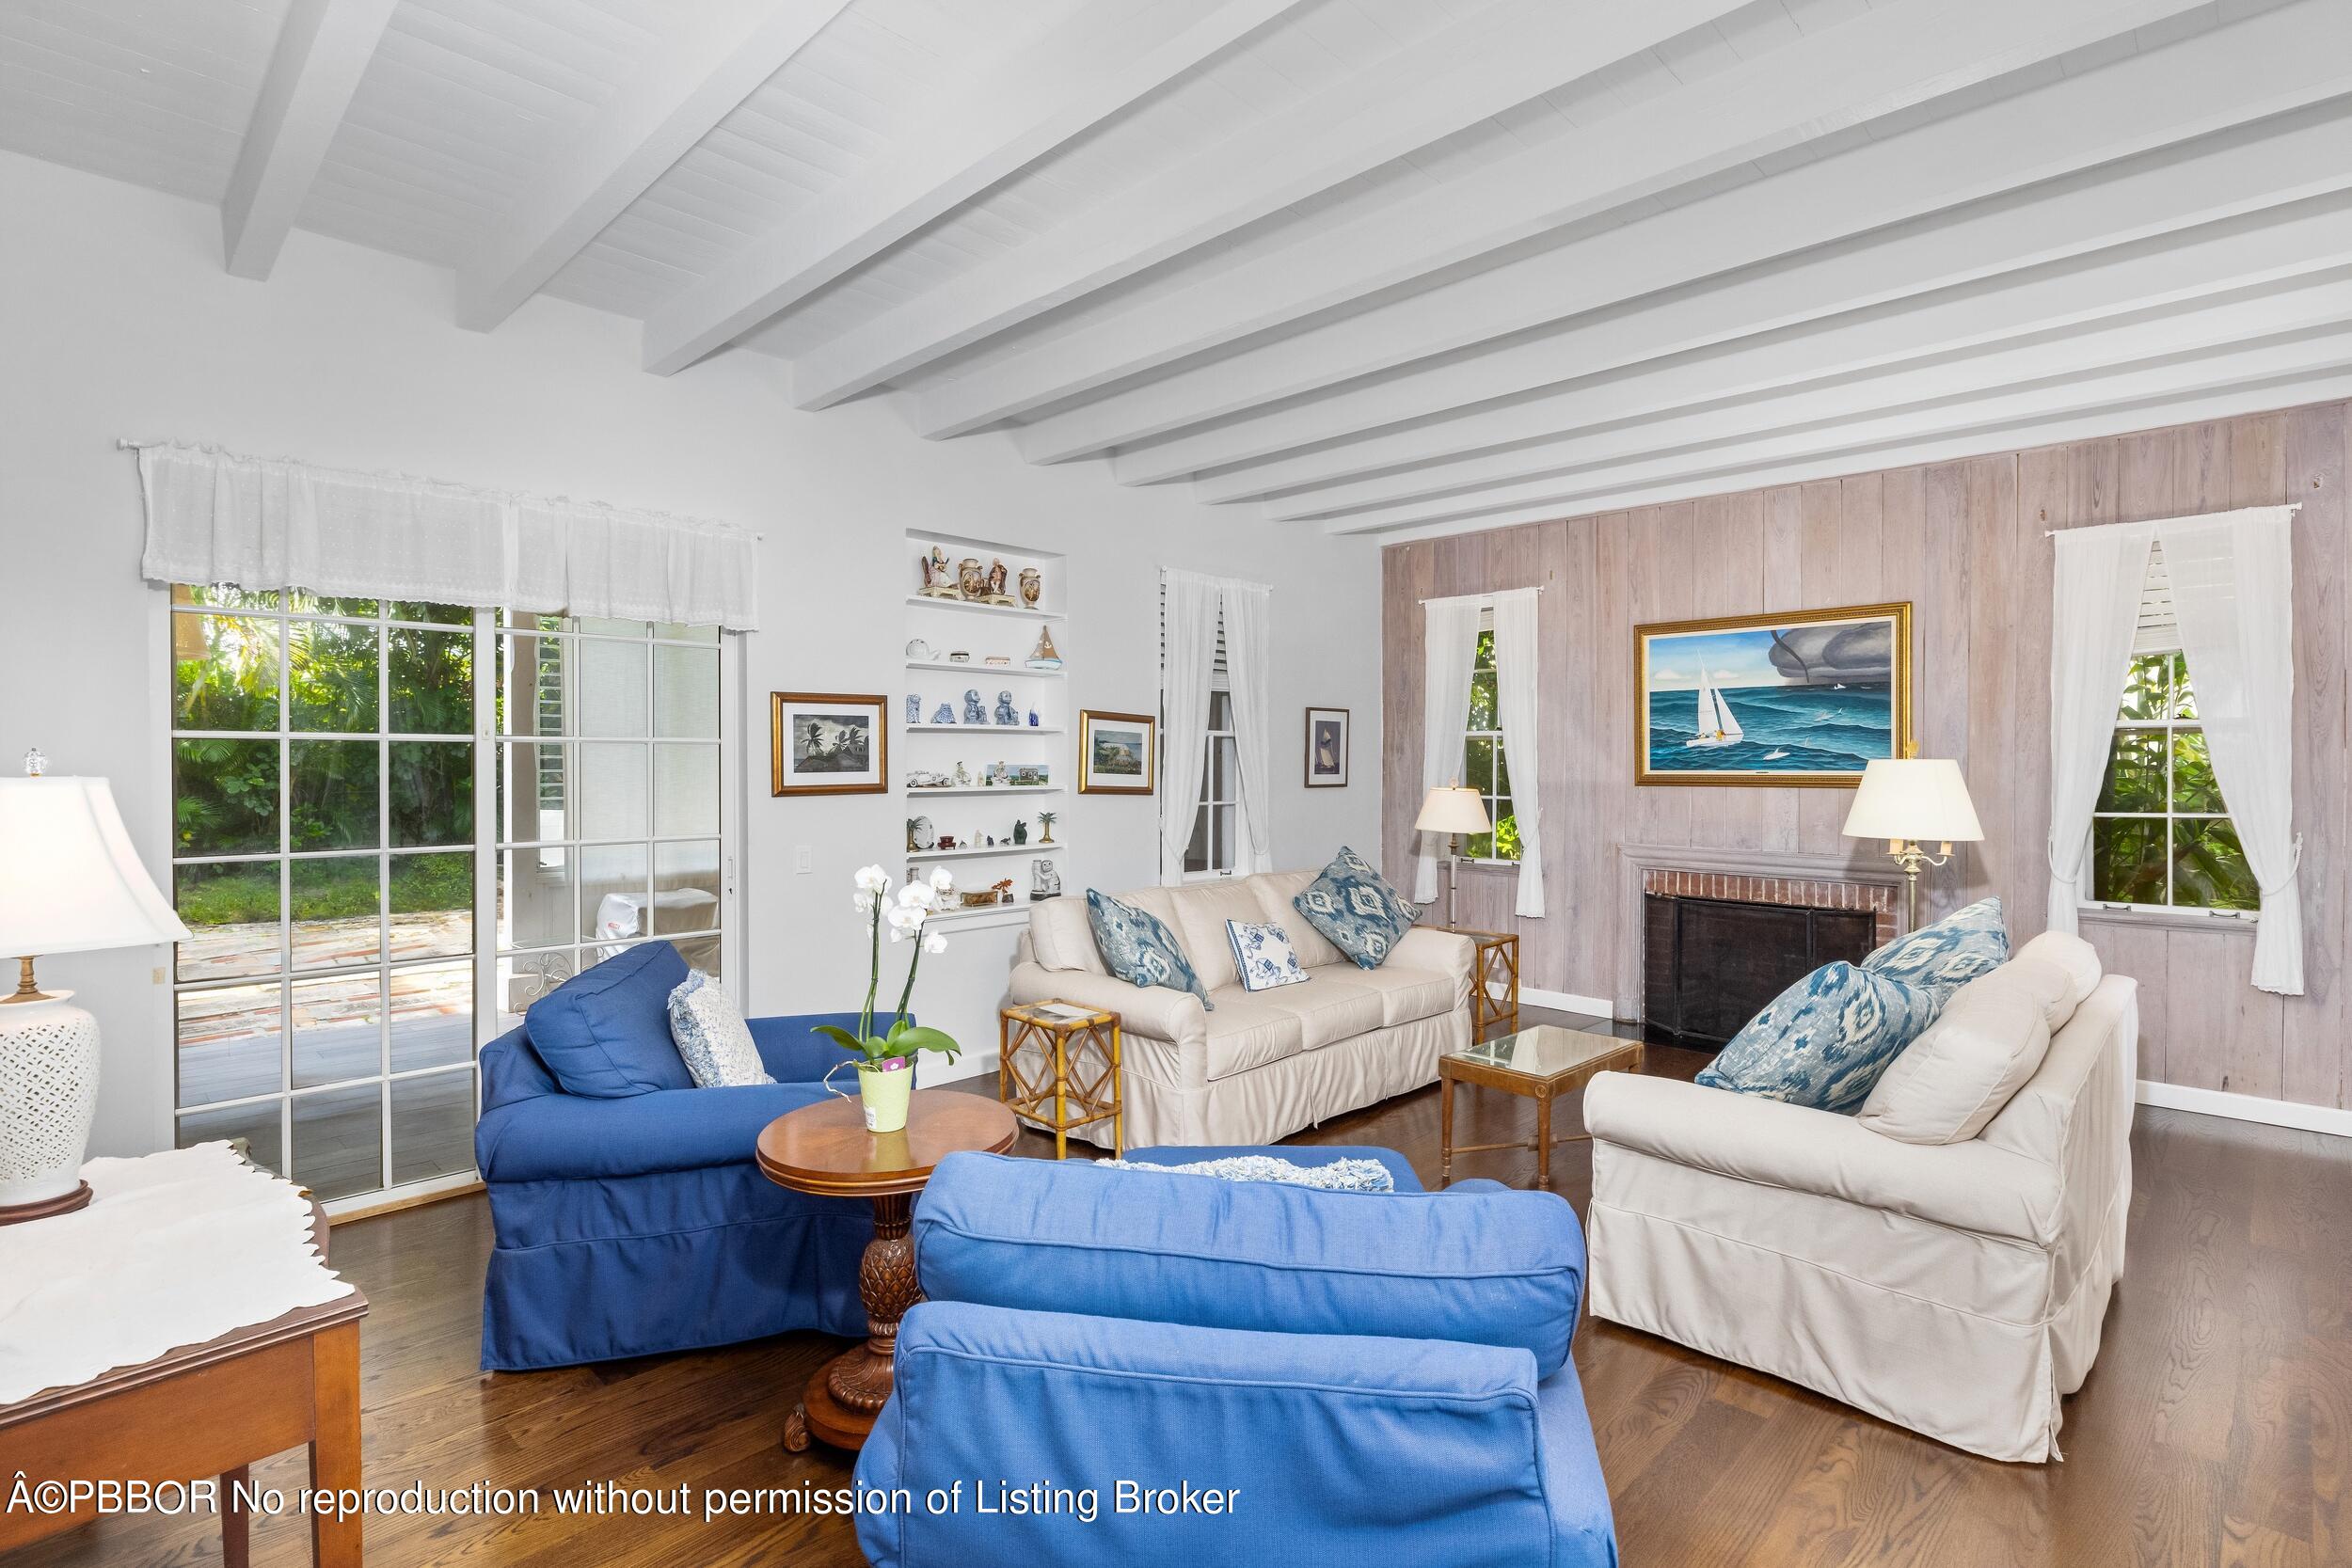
x=1131 y=762
x=828 y=743
x=1814 y=704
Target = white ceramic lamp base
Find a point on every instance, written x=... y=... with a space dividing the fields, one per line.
x=48 y=1098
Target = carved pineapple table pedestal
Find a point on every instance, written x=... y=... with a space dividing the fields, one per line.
x=825 y=1149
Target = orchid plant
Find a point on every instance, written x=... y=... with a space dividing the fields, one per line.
x=906 y=915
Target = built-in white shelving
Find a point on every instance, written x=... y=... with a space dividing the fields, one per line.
x=975 y=852
x=968 y=668
x=975 y=607
x=981 y=729
x=916 y=792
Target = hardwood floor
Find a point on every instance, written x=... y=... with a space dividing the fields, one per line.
x=2217 y=1428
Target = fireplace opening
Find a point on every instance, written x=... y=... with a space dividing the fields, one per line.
x=1711 y=964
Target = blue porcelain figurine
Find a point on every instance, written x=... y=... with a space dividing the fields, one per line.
x=915 y=707
x=1006 y=712
x=1033 y=718
x=973 y=712
x=947 y=714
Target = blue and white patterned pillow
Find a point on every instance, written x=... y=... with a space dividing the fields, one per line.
x=1950 y=952
x=1139 y=949
x=711 y=1037
x=1824 y=1040
x=1356 y=908
x=1263 y=954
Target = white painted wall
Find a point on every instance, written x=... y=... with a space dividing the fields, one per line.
x=117 y=319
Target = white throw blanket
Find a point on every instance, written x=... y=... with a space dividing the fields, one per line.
x=174 y=1249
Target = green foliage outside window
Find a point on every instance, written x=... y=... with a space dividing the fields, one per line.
x=2161 y=834
x=1485 y=765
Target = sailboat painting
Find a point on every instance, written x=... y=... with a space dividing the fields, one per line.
x=1807 y=697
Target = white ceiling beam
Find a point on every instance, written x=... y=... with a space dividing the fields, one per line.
x=1100 y=61
x=724 y=50
x=2222 y=402
x=2169 y=270
x=1877 y=63
x=1871 y=443
x=1495 y=60
x=323 y=49
x=2154 y=99
x=1832 y=406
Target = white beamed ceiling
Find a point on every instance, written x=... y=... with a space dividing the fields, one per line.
x=1388 y=267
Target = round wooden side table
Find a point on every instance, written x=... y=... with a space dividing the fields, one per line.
x=825 y=1149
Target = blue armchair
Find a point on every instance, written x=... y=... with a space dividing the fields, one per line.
x=628 y=1216
x=1151 y=1368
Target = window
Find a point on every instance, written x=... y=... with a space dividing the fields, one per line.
x=1212 y=851
x=1485 y=767
x=349 y=908
x=2160 y=834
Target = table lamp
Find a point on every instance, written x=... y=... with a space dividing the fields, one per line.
x=1453 y=810
x=70 y=882
x=1911 y=801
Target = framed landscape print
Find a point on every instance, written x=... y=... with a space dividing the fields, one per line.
x=1326 y=748
x=828 y=743
x=1118 y=752
x=1807 y=697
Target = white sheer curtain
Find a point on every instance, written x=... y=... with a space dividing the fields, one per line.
x=1517 y=673
x=1248 y=629
x=266 y=522
x=2095 y=607
x=2233 y=599
x=1449 y=649
x=1188 y=611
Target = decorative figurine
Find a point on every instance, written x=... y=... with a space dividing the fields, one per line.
x=1033 y=724
x=1044 y=881
x=919 y=650
x=998 y=661
x=1021 y=830
x=1044 y=656
x=915 y=707
x=920 y=835
x=960 y=656
x=1002 y=891
x=939 y=582
x=1045 y=821
x=971 y=582
x=944 y=841
x=973 y=712
x=947 y=714
x=997 y=593
x=963 y=780
x=1032 y=586
x=1006 y=712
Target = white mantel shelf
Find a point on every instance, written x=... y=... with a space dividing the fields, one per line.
x=984 y=850
x=970 y=607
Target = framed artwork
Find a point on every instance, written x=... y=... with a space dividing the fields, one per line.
x=1118 y=752
x=1326 y=748
x=1807 y=697
x=828 y=743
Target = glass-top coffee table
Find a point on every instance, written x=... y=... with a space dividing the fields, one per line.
x=1540 y=1063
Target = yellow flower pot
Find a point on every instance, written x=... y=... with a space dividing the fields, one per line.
x=884 y=1093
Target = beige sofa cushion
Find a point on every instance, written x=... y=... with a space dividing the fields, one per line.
x=1990 y=1039
x=1062 y=938
x=1201 y=912
x=1407 y=994
x=2076 y=958
x=1244 y=1032
x=1328 y=1006
x=1275 y=889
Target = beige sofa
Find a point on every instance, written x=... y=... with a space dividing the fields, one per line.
x=1256 y=1068
x=1954 y=1288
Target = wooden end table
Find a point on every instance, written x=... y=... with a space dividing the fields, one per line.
x=1073 y=1082
x=1541 y=1064
x=1494 y=980
x=825 y=1149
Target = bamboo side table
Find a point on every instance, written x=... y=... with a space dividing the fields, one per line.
x=1494 y=980
x=1059 y=1073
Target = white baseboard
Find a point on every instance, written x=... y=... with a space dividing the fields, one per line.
x=1566 y=1001
x=2246 y=1107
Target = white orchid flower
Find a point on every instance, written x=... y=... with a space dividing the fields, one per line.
x=918 y=895
x=873 y=878
x=863 y=901
x=934 y=943
x=941 y=878
x=906 y=919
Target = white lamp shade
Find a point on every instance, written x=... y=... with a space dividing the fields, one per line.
x=69 y=881
x=1914 y=798
x=1453 y=809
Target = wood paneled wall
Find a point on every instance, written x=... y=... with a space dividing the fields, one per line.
x=1963 y=541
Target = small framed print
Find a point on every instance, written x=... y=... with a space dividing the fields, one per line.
x=828 y=743
x=1118 y=752
x=1326 y=748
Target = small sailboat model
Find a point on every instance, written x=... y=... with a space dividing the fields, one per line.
x=1718 y=725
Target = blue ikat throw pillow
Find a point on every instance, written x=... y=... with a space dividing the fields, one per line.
x=1949 y=954
x=1263 y=954
x=1137 y=948
x=1824 y=1040
x=1356 y=910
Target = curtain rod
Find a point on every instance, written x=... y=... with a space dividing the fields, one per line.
x=2290 y=508
x=1440 y=599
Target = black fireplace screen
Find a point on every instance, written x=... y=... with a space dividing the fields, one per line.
x=1708 y=965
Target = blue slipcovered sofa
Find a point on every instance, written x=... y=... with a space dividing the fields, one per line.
x=628 y=1216
x=1260 y=1373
